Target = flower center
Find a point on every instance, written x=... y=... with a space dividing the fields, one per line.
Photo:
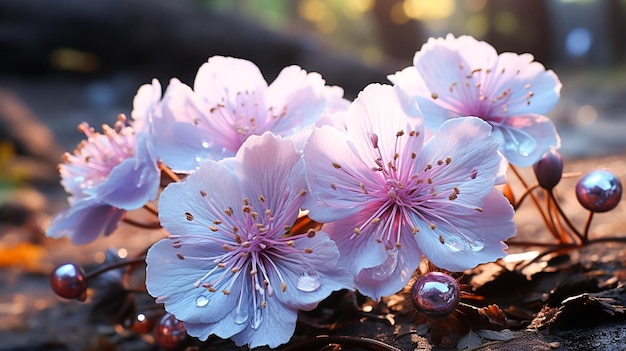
x=479 y=92
x=405 y=196
x=246 y=114
x=95 y=157
x=257 y=251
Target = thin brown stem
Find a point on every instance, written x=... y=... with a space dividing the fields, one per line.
x=564 y=216
x=115 y=266
x=524 y=196
x=585 y=237
x=350 y=341
x=535 y=201
x=151 y=210
x=153 y=225
x=165 y=169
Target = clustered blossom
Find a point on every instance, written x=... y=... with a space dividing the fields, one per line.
x=231 y=265
x=390 y=195
x=402 y=173
x=456 y=77
x=108 y=174
x=230 y=101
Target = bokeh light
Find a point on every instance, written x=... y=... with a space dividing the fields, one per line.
x=578 y=42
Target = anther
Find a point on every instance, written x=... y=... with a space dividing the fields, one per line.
x=189 y=216
x=180 y=256
x=336 y=165
x=311 y=233
x=374 y=139
x=434 y=96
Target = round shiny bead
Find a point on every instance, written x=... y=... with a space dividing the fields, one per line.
x=69 y=281
x=435 y=294
x=170 y=333
x=549 y=169
x=599 y=191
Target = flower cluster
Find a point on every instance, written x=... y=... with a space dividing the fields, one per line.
x=402 y=173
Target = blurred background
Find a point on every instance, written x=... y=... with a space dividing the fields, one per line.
x=72 y=60
x=67 y=61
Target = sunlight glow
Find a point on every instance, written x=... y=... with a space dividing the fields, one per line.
x=429 y=9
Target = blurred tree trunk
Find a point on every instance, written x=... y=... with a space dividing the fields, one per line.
x=398 y=41
x=531 y=31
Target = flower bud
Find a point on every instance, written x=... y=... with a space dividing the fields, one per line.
x=170 y=333
x=549 y=169
x=69 y=281
x=599 y=191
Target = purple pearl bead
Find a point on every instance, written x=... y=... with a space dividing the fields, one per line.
x=435 y=294
x=69 y=281
x=170 y=333
x=549 y=169
x=599 y=191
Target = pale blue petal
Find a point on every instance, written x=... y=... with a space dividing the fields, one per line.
x=469 y=240
x=171 y=280
x=132 y=183
x=392 y=275
x=525 y=138
x=84 y=221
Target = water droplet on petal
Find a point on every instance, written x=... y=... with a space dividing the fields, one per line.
x=205 y=144
x=241 y=316
x=202 y=301
x=386 y=269
x=519 y=141
x=142 y=178
x=255 y=323
x=476 y=245
x=456 y=243
x=309 y=281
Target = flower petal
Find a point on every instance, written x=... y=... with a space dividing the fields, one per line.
x=171 y=280
x=470 y=240
x=525 y=138
x=392 y=275
x=321 y=264
x=84 y=221
x=132 y=183
x=276 y=327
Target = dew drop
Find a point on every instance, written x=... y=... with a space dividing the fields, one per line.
x=202 y=301
x=476 y=245
x=241 y=316
x=386 y=269
x=205 y=144
x=456 y=243
x=255 y=323
x=308 y=282
x=519 y=141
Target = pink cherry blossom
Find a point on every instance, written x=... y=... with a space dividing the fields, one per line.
x=389 y=195
x=455 y=77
